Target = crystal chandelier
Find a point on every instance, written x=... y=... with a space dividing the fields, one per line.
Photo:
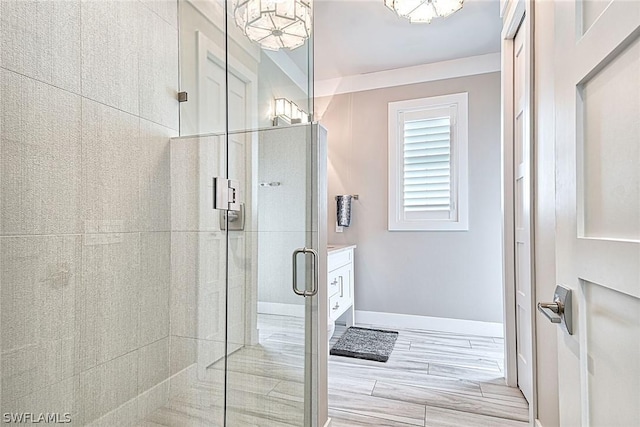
x=423 y=11
x=274 y=24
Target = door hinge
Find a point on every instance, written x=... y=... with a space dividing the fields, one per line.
x=226 y=194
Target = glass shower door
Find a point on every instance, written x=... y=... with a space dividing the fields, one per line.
x=244 y=343
x=275 y=260
x=251 y=347
x=272 y=313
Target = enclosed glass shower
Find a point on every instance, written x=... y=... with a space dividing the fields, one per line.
x=176 y=279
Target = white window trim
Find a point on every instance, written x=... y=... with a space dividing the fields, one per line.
x=397 y=220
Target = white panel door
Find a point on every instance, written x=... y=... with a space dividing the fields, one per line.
x=597 y=88
x=522 y=220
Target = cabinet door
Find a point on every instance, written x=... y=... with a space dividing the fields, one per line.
x=342 y=298
x=333 y=283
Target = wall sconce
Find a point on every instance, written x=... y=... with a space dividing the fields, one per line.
x=288 y=113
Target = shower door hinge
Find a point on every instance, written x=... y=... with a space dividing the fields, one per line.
x=226 y=194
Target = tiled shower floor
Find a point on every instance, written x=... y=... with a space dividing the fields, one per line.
x=431 y=379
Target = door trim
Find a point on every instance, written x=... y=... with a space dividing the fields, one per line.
x=516 y=12
x=209 y=50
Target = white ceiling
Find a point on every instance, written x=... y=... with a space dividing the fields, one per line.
x=364 y=36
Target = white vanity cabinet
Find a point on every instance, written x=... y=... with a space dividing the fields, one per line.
x=340 y=278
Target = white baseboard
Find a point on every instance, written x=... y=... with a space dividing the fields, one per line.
x=328 y=423
x=457 y=326
x=295 y=310
x=538 y=423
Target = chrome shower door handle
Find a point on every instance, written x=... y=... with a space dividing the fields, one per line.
x=314 y=272
x=294 y=262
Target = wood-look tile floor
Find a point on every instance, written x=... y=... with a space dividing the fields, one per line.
x=431 y=379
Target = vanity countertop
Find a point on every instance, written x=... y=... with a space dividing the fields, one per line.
x=339 y=248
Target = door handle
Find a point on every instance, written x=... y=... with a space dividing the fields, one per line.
x=560 y=310
x=314 y=272
x=551 y=310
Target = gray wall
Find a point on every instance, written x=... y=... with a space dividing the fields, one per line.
x=88 y=93
x=440 y=274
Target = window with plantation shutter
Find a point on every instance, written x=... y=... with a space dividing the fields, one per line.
x=427 y=173
x=428 y=164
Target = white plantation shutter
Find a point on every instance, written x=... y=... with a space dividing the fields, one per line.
x=428 y=164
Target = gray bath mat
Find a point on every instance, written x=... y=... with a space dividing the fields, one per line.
x=363 y=343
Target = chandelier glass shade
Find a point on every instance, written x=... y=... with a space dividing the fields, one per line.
x=274 y=24
x=423 y=11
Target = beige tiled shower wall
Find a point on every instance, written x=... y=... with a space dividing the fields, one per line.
x=88 y=95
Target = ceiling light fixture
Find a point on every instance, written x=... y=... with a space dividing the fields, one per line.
x=274 y=24
x=423 y=11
